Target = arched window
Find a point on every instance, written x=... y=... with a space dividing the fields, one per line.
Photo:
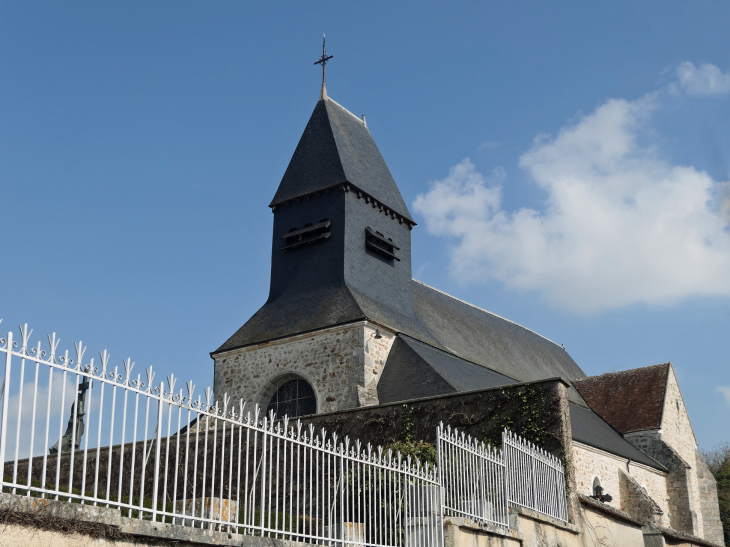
x=293 y=397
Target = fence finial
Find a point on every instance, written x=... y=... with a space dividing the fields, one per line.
x=53 y=342
x=25 y=335
x=128 y=366
x=150 y=374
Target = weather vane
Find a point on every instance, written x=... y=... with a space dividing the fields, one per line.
x=323 y=60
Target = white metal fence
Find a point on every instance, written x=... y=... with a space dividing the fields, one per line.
x=481 y=482
x=84 y=433
x=535 y=479
x=473 y=478
x=163 y=455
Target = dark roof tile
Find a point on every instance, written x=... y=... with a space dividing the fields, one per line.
x=337 y=147
x=590 y=429
x=630 y=400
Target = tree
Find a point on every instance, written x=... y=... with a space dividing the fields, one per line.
x=718 y=460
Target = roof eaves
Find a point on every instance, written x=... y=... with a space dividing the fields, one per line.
x=283 y=337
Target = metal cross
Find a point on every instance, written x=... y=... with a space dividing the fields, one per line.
x=324 y=58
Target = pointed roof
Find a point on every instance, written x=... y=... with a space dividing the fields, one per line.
x=630 y=400
x=337 y=147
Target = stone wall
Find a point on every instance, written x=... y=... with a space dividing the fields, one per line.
x=589 y=463
x=712 y=525
x=342 y=364
x=536 y=410
x=683 y=501
x=691 y=488
x=635 y=500
x=676 y=429
x=677 y=432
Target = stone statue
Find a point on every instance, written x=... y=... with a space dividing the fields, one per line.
x=65 y=441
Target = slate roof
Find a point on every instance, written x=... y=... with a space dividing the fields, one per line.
x=440 y=320
x=630 y=400
x=337 y=147
x=415 y=370
x=589 y=428
x=485 y=338
x=296 y=314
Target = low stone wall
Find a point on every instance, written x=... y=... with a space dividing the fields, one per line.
x=32 y=522
x=538 y=411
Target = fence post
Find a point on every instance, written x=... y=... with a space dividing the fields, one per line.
x=439 y=462
x=6 y=394
x=532 y=477
x=264 y=443
x=155 y=489
x=505 y=467
x=342 y=494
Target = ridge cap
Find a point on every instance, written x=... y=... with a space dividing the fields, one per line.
x=330 y=99
x=489 y=312
x=616 y=372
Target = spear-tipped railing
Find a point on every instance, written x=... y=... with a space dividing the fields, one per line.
x=164 y=455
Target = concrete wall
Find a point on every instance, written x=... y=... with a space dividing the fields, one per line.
x=342 y=364
x=600 y=528
x=529 y=529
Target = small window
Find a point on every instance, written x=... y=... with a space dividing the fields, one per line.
x=382 y=245
x=309 y=233
x=293 y=398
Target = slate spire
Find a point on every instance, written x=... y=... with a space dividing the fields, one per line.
x=335 y=148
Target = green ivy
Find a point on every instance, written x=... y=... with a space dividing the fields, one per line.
x=407 y=423
x=523 y=412
x=417 y=450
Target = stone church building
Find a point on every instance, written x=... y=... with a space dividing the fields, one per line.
x=346 y=326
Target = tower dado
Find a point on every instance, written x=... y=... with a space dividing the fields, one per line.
x=342 y=365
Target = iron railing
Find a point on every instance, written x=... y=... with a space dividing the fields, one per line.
x=473 y=477
x=535 y=478
x=163 y=455
x=481 y=482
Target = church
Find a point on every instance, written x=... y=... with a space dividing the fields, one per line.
x=346 y=326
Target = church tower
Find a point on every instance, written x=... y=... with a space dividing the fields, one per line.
x=341 y=255
x=345 y=325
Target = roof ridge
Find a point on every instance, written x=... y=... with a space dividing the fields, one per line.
x=489 y=312
x=667 y=364
x=345 y=109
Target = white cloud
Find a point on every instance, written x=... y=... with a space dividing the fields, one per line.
x=620 y=226
x=725 y=392
x=488 y=145
x=704 y=80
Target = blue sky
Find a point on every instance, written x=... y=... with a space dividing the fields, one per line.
x=140 y=144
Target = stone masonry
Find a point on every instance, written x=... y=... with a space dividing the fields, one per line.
x=691 y=488
x=342 y=364
x=611 y=470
